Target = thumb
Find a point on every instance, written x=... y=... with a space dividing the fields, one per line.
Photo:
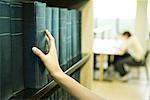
x=38 y=52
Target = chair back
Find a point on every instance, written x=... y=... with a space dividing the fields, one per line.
x=143 y=63
x=146 y=55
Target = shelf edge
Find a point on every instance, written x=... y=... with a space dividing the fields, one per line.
x=43 y=91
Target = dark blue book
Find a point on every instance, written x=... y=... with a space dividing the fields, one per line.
x=5 y=0
x=62 y=37
x=68 y=40
x=78 y=13
x=80 y=27
x=74 y=33
x=5 y=52
x=34 y=27
x=17 y=46
x=5 y=66
x=48 y=27
x=76 y=38
x=16 y=1
x=49 y=19
x=55 y=27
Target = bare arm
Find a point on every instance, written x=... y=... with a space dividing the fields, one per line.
x=74 y=88
x=69 y=84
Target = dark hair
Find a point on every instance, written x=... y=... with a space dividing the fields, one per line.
x=126 y=33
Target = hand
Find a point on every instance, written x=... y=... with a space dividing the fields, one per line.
x=50 y=60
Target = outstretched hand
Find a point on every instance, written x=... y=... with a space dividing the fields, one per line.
x=50 y=59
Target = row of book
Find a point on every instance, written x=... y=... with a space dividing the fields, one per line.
x=11 y=53
x=22 y=26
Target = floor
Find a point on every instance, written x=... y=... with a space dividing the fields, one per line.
x=134 y=89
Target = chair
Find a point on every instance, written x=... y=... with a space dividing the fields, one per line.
x=142 y=64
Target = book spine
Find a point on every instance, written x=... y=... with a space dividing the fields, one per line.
x=62 y=38
x=48 y=23
x=34 y=26
x=29 y=42
x=17 y=47
x=5 y=1
x=55 y=27
x=49 y=19
x=76 y=31
x=75 y=41
x=40 y=26
x=68 y=40
x=15 y=1
x=78 y=14
x=71 y=62
x=5 y=52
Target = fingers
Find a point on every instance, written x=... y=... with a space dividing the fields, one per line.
x=48 y=40
x=47 y=45
x=49 y=35
x=38 y=52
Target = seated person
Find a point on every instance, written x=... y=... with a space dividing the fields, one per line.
x=130 y=52
x=50 y=61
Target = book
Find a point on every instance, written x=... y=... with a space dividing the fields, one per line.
x=34 y=27
x=5 y=51
x=5 y=66
x=78 y=35
x=17 y=46
x=76 y=38
x=74 y=34
x=62 y=37
x=68 y=40
x=55 y=27
x=80 y=27
x=49 y=19
x=5 y=1
x=48 y=27
x=16 y=1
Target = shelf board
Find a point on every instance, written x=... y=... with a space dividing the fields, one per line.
x=51 y=85
x=65 y=3
x=39 y=93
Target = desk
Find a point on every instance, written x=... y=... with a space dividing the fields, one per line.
x=104 y=47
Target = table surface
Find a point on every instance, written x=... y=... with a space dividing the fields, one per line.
x=104 y=47
x=107 y=46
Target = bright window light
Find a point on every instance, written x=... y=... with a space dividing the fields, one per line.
x=114 y=9
x=148 y=9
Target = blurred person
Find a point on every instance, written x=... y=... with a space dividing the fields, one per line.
x=50 y=61
x=130 y=52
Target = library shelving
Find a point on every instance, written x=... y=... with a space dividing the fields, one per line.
x=86 y=8
x=84 y=65
x=44 y=92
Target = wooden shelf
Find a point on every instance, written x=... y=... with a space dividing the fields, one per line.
x=65 y=3
x=86 y=72
x=39 y=93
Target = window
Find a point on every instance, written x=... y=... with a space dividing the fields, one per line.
x=114 y=16
x=148 y=16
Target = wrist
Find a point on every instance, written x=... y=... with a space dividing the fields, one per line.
x=56 y=72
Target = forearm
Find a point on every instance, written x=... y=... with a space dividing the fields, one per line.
x=74 y=88
x=50 y=61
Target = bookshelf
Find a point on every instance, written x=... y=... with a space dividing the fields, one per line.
x=45 y=90
x=86 y=8
x=86 y=62
x=66 y=3
x=35 y=94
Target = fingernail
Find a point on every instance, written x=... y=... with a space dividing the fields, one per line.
x=34 y=49
x=46 y=30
